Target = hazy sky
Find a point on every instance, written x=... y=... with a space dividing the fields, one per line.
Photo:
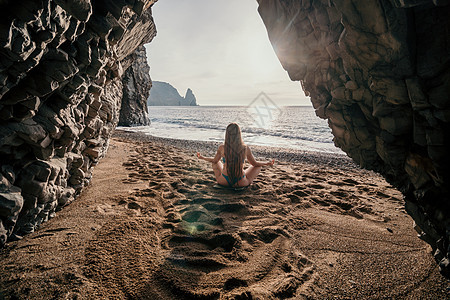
x=220 y=50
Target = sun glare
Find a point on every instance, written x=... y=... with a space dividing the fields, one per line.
x=224 y=55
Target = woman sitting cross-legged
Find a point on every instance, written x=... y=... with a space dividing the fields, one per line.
x=230 y=171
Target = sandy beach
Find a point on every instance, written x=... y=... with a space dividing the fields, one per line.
x=152 y=226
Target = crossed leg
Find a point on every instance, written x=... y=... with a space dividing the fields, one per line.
x=218 y=168
x=251 y=173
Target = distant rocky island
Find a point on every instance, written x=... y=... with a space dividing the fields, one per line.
x=164 y=94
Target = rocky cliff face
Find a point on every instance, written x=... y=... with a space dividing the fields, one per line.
x=136 y=87
x=61 y=63
x=164 y=94
x=379 y=71
x=189 y=99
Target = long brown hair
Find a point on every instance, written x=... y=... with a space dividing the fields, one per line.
x=234 y=151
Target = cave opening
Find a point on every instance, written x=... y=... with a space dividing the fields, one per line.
x=153 y=223
x=232 y=72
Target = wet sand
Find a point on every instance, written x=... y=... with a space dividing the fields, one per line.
x=152 y=226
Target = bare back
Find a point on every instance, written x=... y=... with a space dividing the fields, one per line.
x=221 y=150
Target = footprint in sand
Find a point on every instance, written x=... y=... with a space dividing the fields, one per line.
x=350 y=181
x=134 y=205
x=221 y=247
x=316 y=186
x=213 y=244
x=339 y=194
x=298 y=196
x=342 y=204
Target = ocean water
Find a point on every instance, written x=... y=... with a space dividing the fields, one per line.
x=295 y=127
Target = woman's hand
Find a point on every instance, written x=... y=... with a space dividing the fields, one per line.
x=199 y=156
x=209 y=159
x=270 y=163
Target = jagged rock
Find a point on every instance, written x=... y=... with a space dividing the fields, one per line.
x=164 y=94
x=189 y=99
x=136 y=88
x=11 y=202
x=379 y=72
x=61 y=63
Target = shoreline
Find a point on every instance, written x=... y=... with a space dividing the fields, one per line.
x=266 y=152
x=313 y=135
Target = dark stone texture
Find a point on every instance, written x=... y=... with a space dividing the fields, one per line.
x=136 y=87
x=61 y=67
x=379 y=71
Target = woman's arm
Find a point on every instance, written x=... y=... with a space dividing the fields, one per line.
x=251 y=159
x=214 y=159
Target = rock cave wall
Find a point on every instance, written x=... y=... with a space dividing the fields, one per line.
x=61 y=67
x=379 y=71
x=136 y=89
